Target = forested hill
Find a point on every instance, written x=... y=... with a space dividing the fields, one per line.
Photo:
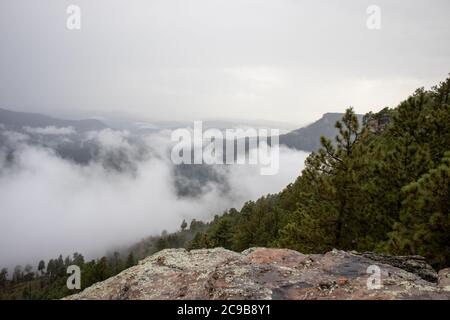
x=383 y=185
x=18 y=120
x=307 y=138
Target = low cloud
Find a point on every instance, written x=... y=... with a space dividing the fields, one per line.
x=50 y=205
x=50 y=130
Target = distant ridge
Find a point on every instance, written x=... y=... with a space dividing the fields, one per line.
x=308 y=138
x=17 y=120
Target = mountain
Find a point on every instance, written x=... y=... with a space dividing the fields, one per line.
x=307 y=138
x=18 y=120
x=261 y=273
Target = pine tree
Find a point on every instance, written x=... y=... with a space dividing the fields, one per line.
x=78 y=259
x=116 y=263
x=18 y=274
x=41 y=266
x=424 y=226
x=101 y=270
x=130 y=260
x=325 y=216
x=183 y=225
x=3 y=277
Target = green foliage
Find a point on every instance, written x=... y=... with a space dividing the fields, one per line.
x=131 y=261
x=424 y=226
x=51 y=283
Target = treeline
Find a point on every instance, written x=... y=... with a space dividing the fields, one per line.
x=180 y=239
x=49 y=280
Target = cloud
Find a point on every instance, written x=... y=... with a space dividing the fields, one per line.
x=49 y=205
x=50 y=130
x=14 y=138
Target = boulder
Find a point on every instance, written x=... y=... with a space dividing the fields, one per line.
x=262 y=273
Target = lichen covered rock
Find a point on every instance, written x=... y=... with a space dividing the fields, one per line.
x=261 y=273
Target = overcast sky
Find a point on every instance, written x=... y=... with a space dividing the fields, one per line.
x=284 y=60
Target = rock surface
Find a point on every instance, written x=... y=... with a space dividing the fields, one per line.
x=261 y=273
x=444 y=278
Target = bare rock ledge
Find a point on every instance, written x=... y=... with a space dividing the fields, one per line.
x=261 y=273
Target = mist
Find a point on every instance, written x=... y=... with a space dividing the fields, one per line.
x=51 y=205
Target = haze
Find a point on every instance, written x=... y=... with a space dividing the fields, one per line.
x=281 y=60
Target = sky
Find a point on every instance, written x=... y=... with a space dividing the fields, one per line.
x=280 y=60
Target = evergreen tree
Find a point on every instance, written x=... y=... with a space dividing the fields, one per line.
x=28 y=273
x=102 y=270
x=116 y=263
x=130 y=260
x=18 y=274
x=424 y=226
x=41 y=267
x=78 y=259
x=326 y=215
x=3 y=277
x=183 y=225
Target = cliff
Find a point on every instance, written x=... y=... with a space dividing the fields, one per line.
x=261 y=273
x=307 y=138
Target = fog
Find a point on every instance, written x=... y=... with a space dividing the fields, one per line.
x=51 y=205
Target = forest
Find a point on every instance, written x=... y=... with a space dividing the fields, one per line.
x=381 y=185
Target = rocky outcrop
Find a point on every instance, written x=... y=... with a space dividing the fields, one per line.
x=413 y=264
x=444 y=279
x=261 y=273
